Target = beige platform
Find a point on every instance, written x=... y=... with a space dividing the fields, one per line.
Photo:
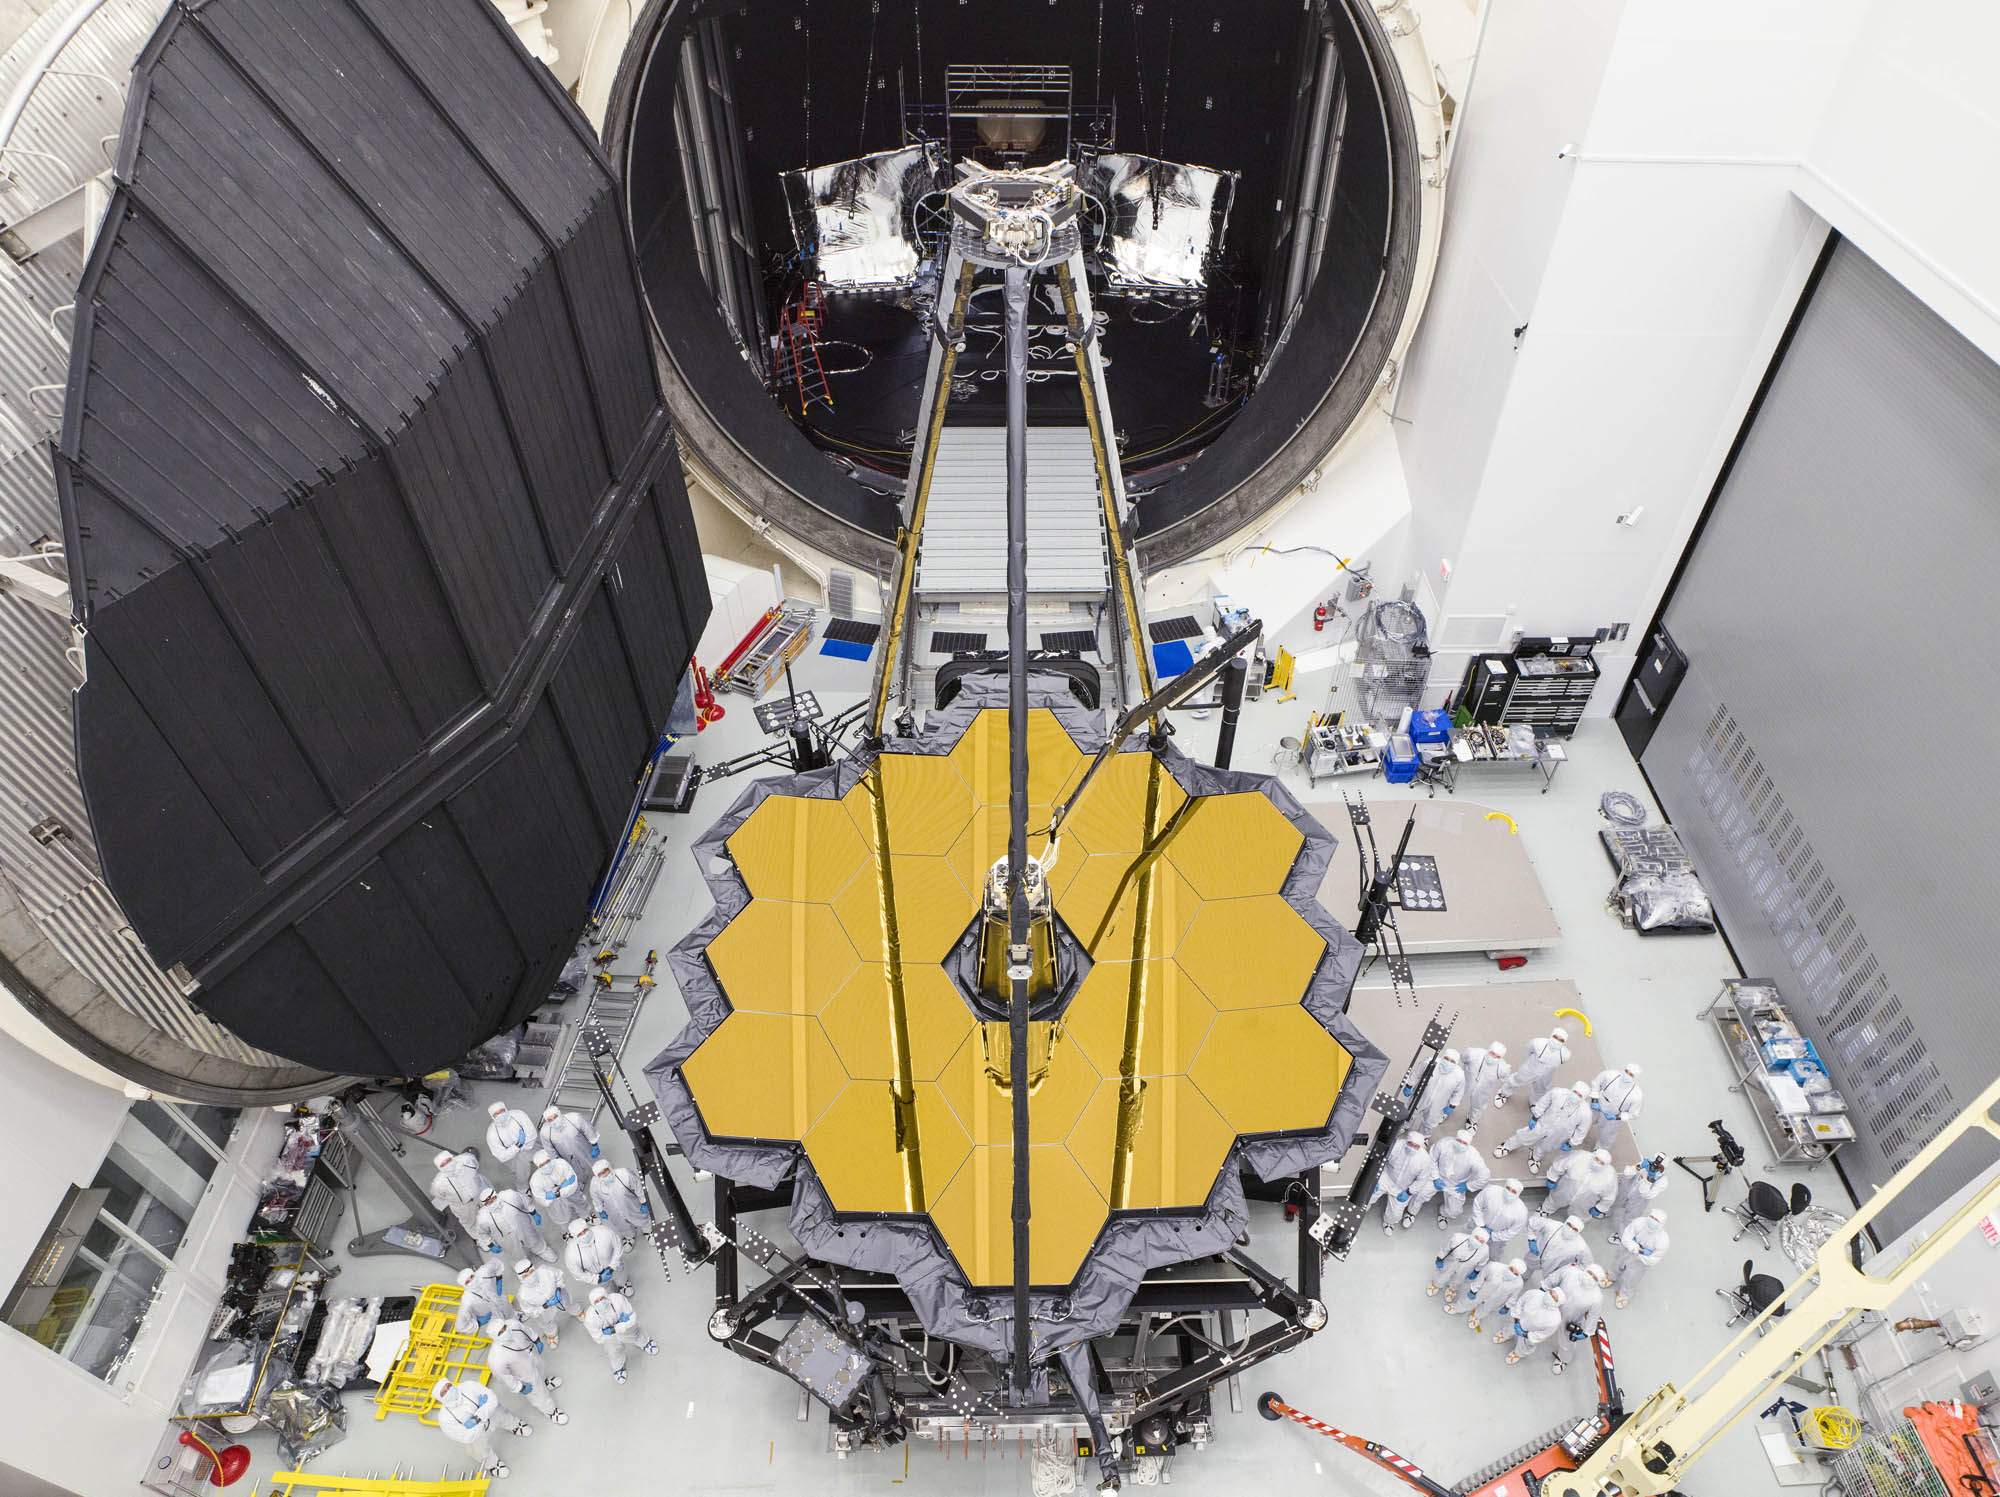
x=1493 y=900
x=1511 y=1012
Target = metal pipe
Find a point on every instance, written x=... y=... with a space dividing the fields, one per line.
x=1018 y=285
x=1235 y=676
x=1311 y=166
x=38 y=67
x=1082 y=332
x=1329 y=181
x=694 y=87
x=906 y=560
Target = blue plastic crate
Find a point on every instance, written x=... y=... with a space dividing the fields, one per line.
x=1430 y=726
x=1399 y=760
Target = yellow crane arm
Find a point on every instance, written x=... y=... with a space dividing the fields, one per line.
x=1673 y=1428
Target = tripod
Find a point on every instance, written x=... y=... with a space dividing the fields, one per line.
x=1720 y=1163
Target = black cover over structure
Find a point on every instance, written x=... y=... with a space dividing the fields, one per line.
x=374 y=520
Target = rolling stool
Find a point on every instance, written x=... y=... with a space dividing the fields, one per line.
x=1765 y=1206
x=1756 y=1294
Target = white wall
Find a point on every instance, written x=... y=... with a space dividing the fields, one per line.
x=1655 y=269
x=59 y=1418
x=62 y=1424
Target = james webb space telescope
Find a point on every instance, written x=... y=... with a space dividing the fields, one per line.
x=1011 y=1016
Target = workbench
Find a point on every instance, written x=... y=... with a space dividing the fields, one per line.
x=1493 y=901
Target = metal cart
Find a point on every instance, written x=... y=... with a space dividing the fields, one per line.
x=1794 y=1139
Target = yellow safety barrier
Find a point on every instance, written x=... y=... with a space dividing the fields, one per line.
x=436 y=1350
x=322 y=1484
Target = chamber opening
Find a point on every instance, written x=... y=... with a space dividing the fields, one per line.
x=1251 y=219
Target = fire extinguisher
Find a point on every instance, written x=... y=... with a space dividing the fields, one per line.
x=1321 y=613
x=706 y=708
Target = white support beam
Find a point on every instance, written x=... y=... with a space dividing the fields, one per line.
x=19 y=579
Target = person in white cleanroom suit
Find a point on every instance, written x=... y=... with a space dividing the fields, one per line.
x=1582 y=1286
x=1640 y=1187
x=1459 y=1264
x=508 y=1226
x=484 y=1301
x=515 y=1361
x=572 y=1136
x=1617 y=1102
x=458 y=1185
x=1582 y=1185
x=1537 y=1070
x=1554 y=1245
x=1501 y=1211
x=620 y=1199
x=1556 y=1125
x=593 y=1255
x=1537 y=1315
x=1491 y=1293
x=1457 y=1173
x=1485 y=1073
x=1635 y=1251
x=510 y=1140
x=1441 y=1094
x=1408 y=1164
x=612 y=1324
x=543 y=1301
x=466 y=1414
x=556 y=1191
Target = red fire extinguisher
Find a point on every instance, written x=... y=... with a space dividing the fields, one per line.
x=1321 y=613
x=706 y=708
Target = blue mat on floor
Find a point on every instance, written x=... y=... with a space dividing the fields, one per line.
x=1171 y=658
x=841 y=649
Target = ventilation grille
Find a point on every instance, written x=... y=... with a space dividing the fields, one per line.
x=1071 y=641
x=1878 y=1057
x=1187 y=626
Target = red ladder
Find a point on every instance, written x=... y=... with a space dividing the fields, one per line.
x=798 y=350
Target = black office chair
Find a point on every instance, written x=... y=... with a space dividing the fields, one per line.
x=1765 y=1207
x=1756 y=1294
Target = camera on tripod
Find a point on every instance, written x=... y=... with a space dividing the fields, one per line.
x=1728 y=1156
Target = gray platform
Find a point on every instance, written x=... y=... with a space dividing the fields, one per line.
x=1493 y=900
x=965 y=526
x=1511 y=1012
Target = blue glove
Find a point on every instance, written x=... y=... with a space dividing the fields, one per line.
x=1402 y=1195
x=593 y=1151
x=1449 y=1111
x=1565 y=1148
x=527 y=1388
x=1437 y=1185
x=1517 y=1329
x=644 y=1209
x=1595 y=1212
x=493 y=1247
x=1406 y=1091
x=1437 y=1263
x=604 y=1216
x=1463 y=1187
x=537 y=1216
x=1533 y=1251
x=604 y=1276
